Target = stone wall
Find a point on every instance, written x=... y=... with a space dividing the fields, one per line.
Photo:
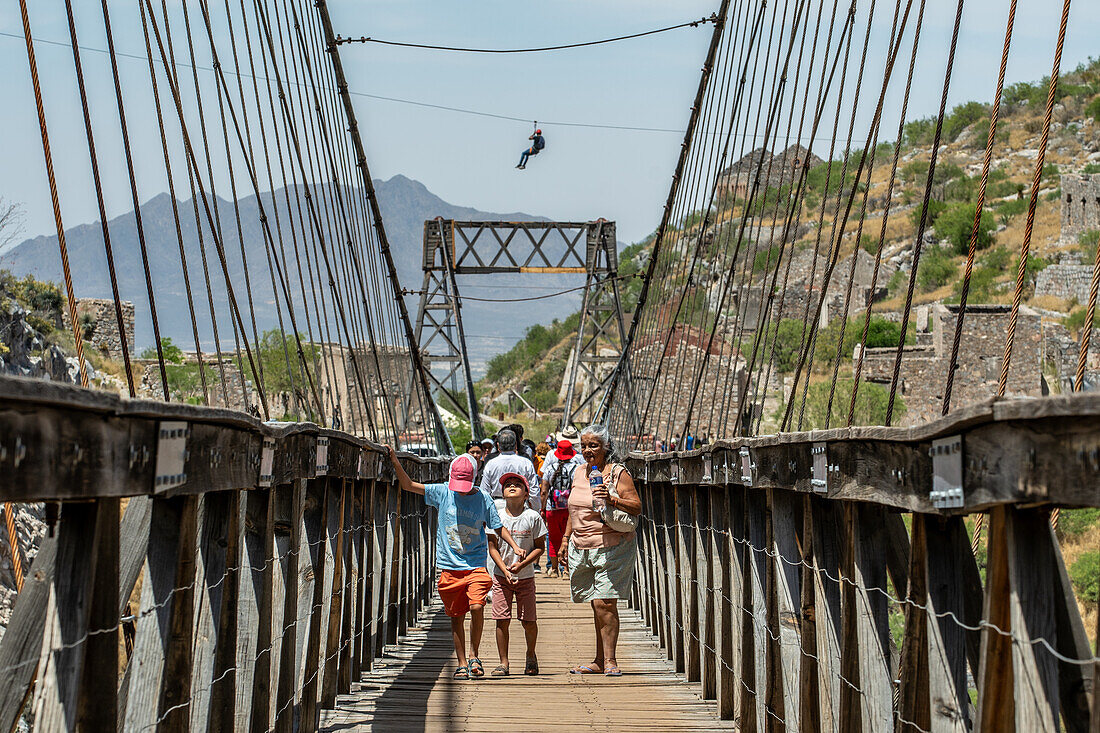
x=1080 y=204
x=1061 y=349
x=102 y=330
x=1067 y=282
x=924 y=368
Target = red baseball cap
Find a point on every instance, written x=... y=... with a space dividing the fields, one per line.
x=520 y=476
x=462 y=474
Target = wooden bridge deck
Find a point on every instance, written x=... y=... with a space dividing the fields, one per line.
x=410 y=688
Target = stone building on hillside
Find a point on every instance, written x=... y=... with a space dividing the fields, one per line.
x=100 y=323
x=775 y=170
x=924 y=365
x=1080 y=204
x=801 y=288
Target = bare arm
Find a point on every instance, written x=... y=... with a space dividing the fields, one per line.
x=407 y=484
x=545 y=494
x=532 y=557
x=494 y=553
x=628 y=499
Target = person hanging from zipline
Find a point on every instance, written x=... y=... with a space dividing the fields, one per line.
x=537 y=144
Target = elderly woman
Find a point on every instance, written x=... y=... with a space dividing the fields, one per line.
x=601 y=560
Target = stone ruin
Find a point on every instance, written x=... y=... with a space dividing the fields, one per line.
x=100 y=322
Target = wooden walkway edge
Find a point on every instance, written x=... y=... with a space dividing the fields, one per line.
x=410 y=688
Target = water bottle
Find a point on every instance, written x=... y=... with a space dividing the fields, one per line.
x=595 y=479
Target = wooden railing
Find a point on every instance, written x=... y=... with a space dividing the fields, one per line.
x=773 y=571
x=203 y=570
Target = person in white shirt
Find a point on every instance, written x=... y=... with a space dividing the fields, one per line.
x=510 y=462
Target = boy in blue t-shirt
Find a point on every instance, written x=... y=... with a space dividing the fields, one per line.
x=461 y=545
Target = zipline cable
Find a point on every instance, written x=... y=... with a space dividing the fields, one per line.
x=713 y=18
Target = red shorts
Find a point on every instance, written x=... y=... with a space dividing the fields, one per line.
x=460 y=589
x=524 y=593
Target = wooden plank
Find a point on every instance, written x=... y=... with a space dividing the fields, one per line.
x=381 y=563
x=688 y=607
x=348 y=629
x=213 y=669
x=160 y=667
x=723 y=564
x=67 y=648
x=312 y=602
x=866 y=696
x=290 y=508
x=393 y=564
x=369 y=579
x=21 y=646
x=754 y=621
x=784 y=651
x=821 y=615
x=254 y=613
x=673 y=619
x=933 y=658
x=704 y=574
x=1020 y=679
x=1076 y=683
x=334 y=569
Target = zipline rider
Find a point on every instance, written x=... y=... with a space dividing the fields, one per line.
x=537 y=144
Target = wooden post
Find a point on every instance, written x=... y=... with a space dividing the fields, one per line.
x=213 y=670
x=72 y=692
x=726 y=574
x=334 y=581
x=933 y=655
x=382 y=493
x=312 y=602
x=784 y=612
x=361 y=517
x=704 y=593
x=160 y=667
x=823 y=522
x=255 y=632
x=673 y=620
x=754 y=613
x=348 y=628
x=688 y=606
x=289 y=509
x=866 y=693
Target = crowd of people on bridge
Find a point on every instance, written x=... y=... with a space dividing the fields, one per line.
x=507 y=504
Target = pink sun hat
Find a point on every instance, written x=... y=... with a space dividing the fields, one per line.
x=520 y=476
x=462 y=474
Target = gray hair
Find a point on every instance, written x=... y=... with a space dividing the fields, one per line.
x=506 y=439
x=600 y=433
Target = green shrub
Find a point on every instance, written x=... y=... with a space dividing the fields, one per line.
x=1092 y=167
x=997 y=259
x=1008 y=209
x=1076 y=320
x=935 y=269
x=868 y=244
x=935 y=208
x=172 y=353
x=961 y=117
x=880 y=333
x=1092 y=109
x=956 y=224
x=765 y=260
x=871 y=404
x=787 y=337
x=1086 y=242
x=1074 y=522
x=1084 y=573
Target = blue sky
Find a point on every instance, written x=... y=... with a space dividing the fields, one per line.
x=468 y=160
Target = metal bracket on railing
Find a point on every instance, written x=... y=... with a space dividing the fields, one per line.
x=820 y=479
x=646 y=472
x=361 y=469
x=947 y=483
x=708 y=469
x=171 y=455
x=321 y=466
x=747 y=466
x=267 y=464
x=674 y=471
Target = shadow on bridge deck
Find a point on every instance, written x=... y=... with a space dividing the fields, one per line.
x=411 y=689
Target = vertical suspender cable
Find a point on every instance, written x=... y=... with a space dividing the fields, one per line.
x=74 y=321
x=383 y=242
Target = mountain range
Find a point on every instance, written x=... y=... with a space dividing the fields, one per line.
x=405 y=205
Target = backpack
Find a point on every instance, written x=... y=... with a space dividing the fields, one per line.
x=561 y=483
x=540 y=143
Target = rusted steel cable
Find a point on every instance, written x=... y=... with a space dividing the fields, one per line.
x=918 y=242
x=1086 y=331
x=78 y=337
x=953 y=364
x=1029 y=224
x=13 y=545
x=104 y=228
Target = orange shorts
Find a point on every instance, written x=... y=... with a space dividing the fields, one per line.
x=461 y=589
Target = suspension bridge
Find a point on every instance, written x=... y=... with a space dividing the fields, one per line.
x=227 y=545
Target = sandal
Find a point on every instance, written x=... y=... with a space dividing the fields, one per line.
x=584 y=669
x=613 y=671
x=500 y=671
x=532 y=667
x=477 y=669
x=461 y=674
